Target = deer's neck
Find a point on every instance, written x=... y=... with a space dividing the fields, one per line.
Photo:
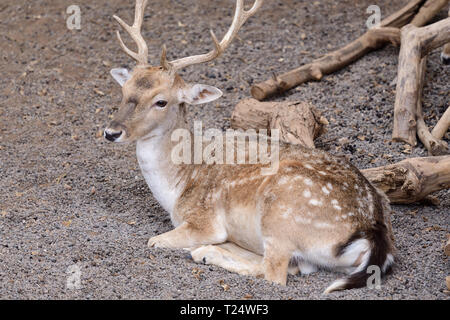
x=165 y=179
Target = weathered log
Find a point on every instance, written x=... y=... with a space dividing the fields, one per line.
x=445 y=55
x=434 y=145
x=428 y=11
x=371 y=40
x=411 y=180
x=298 y=122
x=442 y=126
x=415 y=44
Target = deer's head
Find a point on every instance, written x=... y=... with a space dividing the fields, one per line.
x=153 y=96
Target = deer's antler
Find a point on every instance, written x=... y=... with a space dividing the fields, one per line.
x=240 y=17
x=135 y=32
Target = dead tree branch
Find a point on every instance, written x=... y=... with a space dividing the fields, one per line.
x=442 y=126
x=412 y=179
x=419 y=11
x=416 y=43
x=435 y=146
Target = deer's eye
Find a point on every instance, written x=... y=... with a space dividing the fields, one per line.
x=161 y=103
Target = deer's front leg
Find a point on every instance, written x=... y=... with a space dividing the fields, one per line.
x=187 y=236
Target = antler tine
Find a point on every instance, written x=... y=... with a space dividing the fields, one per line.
x=135 y=32
x=240 y=17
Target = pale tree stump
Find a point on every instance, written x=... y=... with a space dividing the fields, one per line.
x=298 y=122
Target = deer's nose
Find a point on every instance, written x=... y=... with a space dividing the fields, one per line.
x=112 y=135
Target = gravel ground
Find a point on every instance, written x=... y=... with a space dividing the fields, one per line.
x=71 y=200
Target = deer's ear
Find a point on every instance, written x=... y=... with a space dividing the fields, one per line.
x=121 y=75
x=199 y=94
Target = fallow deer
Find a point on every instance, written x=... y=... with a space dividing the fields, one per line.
x=316 y=211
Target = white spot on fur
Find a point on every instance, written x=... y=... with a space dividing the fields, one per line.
x=308 y=166
x=302 y=220
x=322 y=173
x=329 y=186
x=308 y=182
x=322 y=225
x=286 y=213
x=307 y=193
x=315 y=202
x=283 y=180
x=325 y=190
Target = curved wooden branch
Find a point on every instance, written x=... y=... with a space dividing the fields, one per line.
x=412 y=179
x=434 y=145
x=442 y=126
x=371 y=40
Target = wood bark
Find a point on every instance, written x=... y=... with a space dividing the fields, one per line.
x=442 y=126
x=298 y=122
x=422 y=11
x=434 y=145
x=415 y=44
x=411 y=180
